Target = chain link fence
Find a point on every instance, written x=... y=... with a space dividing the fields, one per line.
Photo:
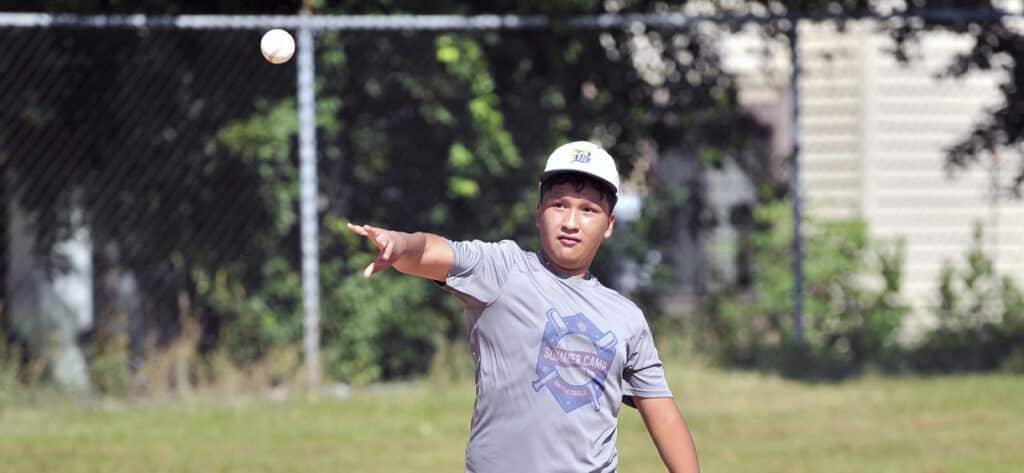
x=153 y=197
x=151 y=170
x=116 y=178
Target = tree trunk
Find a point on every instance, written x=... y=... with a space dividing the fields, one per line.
x=49 y=307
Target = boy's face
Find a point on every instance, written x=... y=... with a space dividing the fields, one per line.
x=572 y=226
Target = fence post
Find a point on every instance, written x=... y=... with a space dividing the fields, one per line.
x=794 y=183
x=308 y=201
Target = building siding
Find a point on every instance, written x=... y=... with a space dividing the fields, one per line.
x=873 y=140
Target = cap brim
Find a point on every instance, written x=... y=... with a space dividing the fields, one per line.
x=547 y=174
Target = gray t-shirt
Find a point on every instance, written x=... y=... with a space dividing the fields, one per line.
x=554 y=358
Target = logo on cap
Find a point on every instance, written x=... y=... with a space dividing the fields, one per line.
x=581 y=156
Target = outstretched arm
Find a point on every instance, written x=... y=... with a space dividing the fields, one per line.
x=419 y=254
x=669 y=432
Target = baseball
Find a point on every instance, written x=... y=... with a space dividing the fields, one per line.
x=277 y=46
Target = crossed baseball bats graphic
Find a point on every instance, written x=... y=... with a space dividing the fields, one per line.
x=604 y=343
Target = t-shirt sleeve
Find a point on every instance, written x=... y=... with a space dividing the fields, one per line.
x=480 y=269
x=643 y=374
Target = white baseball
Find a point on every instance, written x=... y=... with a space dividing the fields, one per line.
x=277 y=46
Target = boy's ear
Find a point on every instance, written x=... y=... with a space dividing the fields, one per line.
x=611 y=227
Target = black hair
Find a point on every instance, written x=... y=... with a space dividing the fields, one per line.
x=579 y=181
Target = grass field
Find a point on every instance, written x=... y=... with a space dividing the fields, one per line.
x=743 y=422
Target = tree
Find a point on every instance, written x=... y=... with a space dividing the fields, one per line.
x=998 y=45
x=117 y=124
x=192 y=180
x=447 y=132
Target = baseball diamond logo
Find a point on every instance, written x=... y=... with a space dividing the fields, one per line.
x=574 y=360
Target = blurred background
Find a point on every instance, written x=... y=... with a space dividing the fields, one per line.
x=820 y=190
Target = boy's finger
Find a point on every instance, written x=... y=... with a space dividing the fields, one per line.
x=373 y=235
x=375 y=267
x=389 y=248
x=358 y=230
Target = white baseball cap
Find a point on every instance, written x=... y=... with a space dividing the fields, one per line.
x=584 y=157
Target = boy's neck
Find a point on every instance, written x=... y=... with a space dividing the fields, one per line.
x=561 y=272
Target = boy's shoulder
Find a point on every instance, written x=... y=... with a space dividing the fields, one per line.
x=619 y=302
x=503 y=246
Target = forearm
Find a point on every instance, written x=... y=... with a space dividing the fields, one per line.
x=670 y=434
x=421 y=254
x=675 y=445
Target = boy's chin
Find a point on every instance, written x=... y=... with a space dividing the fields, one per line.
x=566 y=260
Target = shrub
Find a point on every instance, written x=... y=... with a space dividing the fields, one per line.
x=980 y=319
x=852 y=311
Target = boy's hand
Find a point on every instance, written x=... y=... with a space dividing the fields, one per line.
x=388 y=242
x=419 y=254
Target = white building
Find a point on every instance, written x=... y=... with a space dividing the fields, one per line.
x=873 y=140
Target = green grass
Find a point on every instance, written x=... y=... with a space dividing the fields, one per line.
x=743 y=422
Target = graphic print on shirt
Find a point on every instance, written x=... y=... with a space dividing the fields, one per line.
x=574 y=360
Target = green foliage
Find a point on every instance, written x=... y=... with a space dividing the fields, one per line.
x=374 y=170
x=370 y=329
x=980 y=318
x=491 y=151
x=9 y=368
x=379 y=328
x=417 y=130
x=108 y=368
x=446 y=132
x=254 y=318
x=851 y=307
x=374 y=328
x=262 y=143
x=257 y=300
x=433 y=132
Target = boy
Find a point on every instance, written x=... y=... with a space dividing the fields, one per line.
x=556 y=352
